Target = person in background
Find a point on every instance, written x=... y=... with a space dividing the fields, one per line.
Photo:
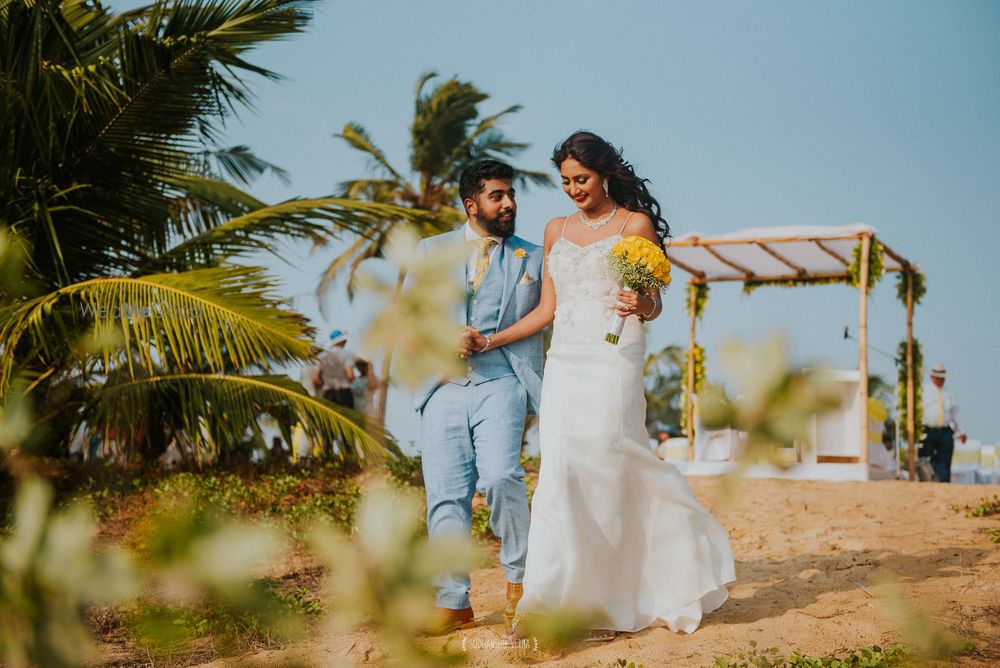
x=940 y=425
x=364 y=386
x=335 y=373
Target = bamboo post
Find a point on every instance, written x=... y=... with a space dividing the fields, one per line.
x=866 y=243
x=689 y=397
x=911 y=418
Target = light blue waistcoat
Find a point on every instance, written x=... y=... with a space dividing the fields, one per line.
x=482 y=312
x=508 y=292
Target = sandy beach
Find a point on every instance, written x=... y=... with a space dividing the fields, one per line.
x=814 y=564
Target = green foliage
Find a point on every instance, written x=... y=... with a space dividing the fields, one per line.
x=625 y=663
x=698 y=360
x=273 y=618
x=876 y=264
x=919 y=279
x=873 y=656
x=986 y=508
x=49 y=570
x=750 y=286
x=132 y=315
x=664 y=388
x=292 y=501
x=406 y=470
x=481 y=523
x=918 y=391
x=696 y=298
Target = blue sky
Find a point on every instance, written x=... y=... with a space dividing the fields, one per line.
x=741 y=114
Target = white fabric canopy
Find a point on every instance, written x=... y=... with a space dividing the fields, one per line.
x=795 y=252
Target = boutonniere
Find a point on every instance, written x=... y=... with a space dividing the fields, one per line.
x=520 y=253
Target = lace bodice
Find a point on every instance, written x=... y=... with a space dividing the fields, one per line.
x=583 y=280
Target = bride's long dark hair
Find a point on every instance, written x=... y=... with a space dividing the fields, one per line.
x=624 y=186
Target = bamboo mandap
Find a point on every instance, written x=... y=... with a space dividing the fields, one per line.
x=792 y=256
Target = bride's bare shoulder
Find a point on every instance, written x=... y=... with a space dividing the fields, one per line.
x=640 y=224
x=553 y=230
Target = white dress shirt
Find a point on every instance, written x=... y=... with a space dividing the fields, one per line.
x=473 y=238
x=950 y=408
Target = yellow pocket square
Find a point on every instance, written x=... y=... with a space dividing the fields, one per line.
x=526 y=279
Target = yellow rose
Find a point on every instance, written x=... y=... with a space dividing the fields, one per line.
x=520 y=253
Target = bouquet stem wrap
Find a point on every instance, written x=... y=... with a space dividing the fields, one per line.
x=616 y=325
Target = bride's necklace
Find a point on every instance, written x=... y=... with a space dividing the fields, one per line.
x=600 y=222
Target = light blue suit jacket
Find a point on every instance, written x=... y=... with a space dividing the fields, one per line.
x=520 y=297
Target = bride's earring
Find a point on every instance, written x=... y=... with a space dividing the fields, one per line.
x=605 y=186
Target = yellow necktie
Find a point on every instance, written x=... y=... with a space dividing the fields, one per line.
x=482 y=262
x=940 y=411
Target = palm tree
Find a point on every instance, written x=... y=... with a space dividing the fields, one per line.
x=136 y=317
x=447 y=134
x=664 y=374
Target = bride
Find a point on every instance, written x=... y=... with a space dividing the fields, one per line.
x=615 y=532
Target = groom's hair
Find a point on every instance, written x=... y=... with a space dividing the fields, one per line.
x=475 y=176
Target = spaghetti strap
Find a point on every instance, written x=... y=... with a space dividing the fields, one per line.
x=565 y=220
x=625 y=223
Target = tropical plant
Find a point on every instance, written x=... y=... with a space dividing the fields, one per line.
x=664 y=374
x=447 y=134
x=136 y=320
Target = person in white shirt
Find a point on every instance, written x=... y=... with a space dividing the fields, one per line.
x=940 y=425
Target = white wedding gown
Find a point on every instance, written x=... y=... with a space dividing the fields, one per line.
x=614 y=530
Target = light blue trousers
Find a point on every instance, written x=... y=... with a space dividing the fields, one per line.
x=471 y=438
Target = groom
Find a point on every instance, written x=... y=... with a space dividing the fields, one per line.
x=471 y=426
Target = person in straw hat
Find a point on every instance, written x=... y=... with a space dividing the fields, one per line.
x=940 y=424
x=334 y=374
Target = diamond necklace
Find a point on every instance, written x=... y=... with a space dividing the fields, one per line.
x=600 y=222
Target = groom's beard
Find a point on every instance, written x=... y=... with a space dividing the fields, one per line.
x=502 y=226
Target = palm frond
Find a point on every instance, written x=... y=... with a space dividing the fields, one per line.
x=314 y=219
x=357 y=137
x=460 y=156
x=440 y=124
x=210 y=318
x=230 y=405
x=239 y=163
x=422 y=81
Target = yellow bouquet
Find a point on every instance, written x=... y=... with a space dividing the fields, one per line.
x=643 y=266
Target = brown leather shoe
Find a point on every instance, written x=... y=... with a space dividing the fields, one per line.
x=446 y=620
x=514 y=593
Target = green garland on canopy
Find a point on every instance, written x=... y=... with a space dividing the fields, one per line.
x=699 y=379
x=749 y=287
x=919 y=279
x=697 y=292
x=876 y=269
x=876 y=265
x=918 y=403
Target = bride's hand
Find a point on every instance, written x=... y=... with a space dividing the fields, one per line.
x=633 y=303
x=474 y=340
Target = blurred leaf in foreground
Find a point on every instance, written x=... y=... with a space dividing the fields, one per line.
x=773 y=405
x=386 y=575
x=416 y=319
x=49 y=572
